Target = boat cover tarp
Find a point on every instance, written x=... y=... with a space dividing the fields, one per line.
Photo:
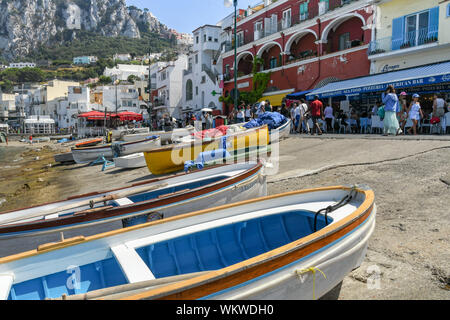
x=207 y=156
x=273 y=120
x=211 y=133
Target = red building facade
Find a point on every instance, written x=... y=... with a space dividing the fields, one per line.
x=304 y=44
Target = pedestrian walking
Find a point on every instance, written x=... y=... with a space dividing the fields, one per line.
x=284 y=111
x=415 y=113
x=439 y=106
x=248 y=113
x=402 y=115
x=316 y=114
x=329 y=117
x=305 y=115
x=391 y=102
x=240 y=116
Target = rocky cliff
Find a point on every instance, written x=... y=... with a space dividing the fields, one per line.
x=27 y=24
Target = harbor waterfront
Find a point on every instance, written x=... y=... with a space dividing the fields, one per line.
x=408 y=245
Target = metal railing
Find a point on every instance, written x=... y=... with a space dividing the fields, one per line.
x=211 y=74
x=411 y=39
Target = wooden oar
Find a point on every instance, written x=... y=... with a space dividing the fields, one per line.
x=16 y=216
x=112 y=293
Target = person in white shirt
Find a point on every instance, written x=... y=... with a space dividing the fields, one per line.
x=304 y=116
x=439 y=105
x=248 y=113
x=328 y=112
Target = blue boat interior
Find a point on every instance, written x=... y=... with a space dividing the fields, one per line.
x=146 y=196
x=206 y=250
x=171 y=189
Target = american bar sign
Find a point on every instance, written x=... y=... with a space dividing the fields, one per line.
x=382 y=87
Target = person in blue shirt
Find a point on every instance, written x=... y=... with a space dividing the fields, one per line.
x=391 y=107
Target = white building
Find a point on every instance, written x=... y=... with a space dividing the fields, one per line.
x=201 y=78
x=122 y=57
x=118 y=97
x=45 y=99
x=123 y=71
x=7 y=106
x=78 y=101
x=169 y=85
x=20 y=65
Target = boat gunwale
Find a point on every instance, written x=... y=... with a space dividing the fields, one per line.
x=194 y=143
x=173 y=290
x=108 y=146
x=90 y=194
x=315 y=236
x=121 y=210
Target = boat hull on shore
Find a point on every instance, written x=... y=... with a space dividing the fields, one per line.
x=274 y=248
x=167 y=137
x=132 y=161
x=166 y=197
x=172 y=158
x=281 y=133
x=89 y=154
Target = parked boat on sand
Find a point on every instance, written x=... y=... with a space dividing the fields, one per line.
x=89 y=154
x=172 y=158
x=262 y=249
x=167 y=137
x=157 y=198
x=132 y=161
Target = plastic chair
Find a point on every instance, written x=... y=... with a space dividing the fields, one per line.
x=364 y=124
x=446 y=122
x=377 y=124
x=424 y=125
x=342 y=126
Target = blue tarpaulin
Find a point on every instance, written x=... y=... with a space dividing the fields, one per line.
x=273 y=120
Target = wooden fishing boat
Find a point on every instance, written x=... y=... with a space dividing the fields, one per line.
x=120 y=132
x=89 y=143
x=109 y=210
x=266 y=248
x=89 y=154
x=64 y=157
x=167 y=137
x=172 y=158
x=132 y=161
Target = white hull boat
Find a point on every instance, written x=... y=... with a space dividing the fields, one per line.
x=297 y=245
x=124 y=131
x=281 y=133
x=90 y=214
x=132 y=161
x=89 y=154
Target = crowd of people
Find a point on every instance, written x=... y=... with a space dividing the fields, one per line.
x=394 y=110
x=317 y=117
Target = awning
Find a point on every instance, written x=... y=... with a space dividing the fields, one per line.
x=96 y=115
x=407 y=78
x=297 y=95
x=276 y=99
x=130 y=116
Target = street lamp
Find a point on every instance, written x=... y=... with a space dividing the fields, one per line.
x=150 y=104
x=227 y=4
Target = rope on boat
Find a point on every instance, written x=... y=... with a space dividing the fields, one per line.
x=313 y=270
x=346 y=200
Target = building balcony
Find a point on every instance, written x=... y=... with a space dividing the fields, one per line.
x=413 y=39
x=284 y=24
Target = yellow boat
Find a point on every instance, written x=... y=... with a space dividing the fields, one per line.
x=171 y=158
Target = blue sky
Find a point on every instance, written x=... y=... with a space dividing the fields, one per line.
x=187 y=15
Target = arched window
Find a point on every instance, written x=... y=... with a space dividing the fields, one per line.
x=189 y=94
